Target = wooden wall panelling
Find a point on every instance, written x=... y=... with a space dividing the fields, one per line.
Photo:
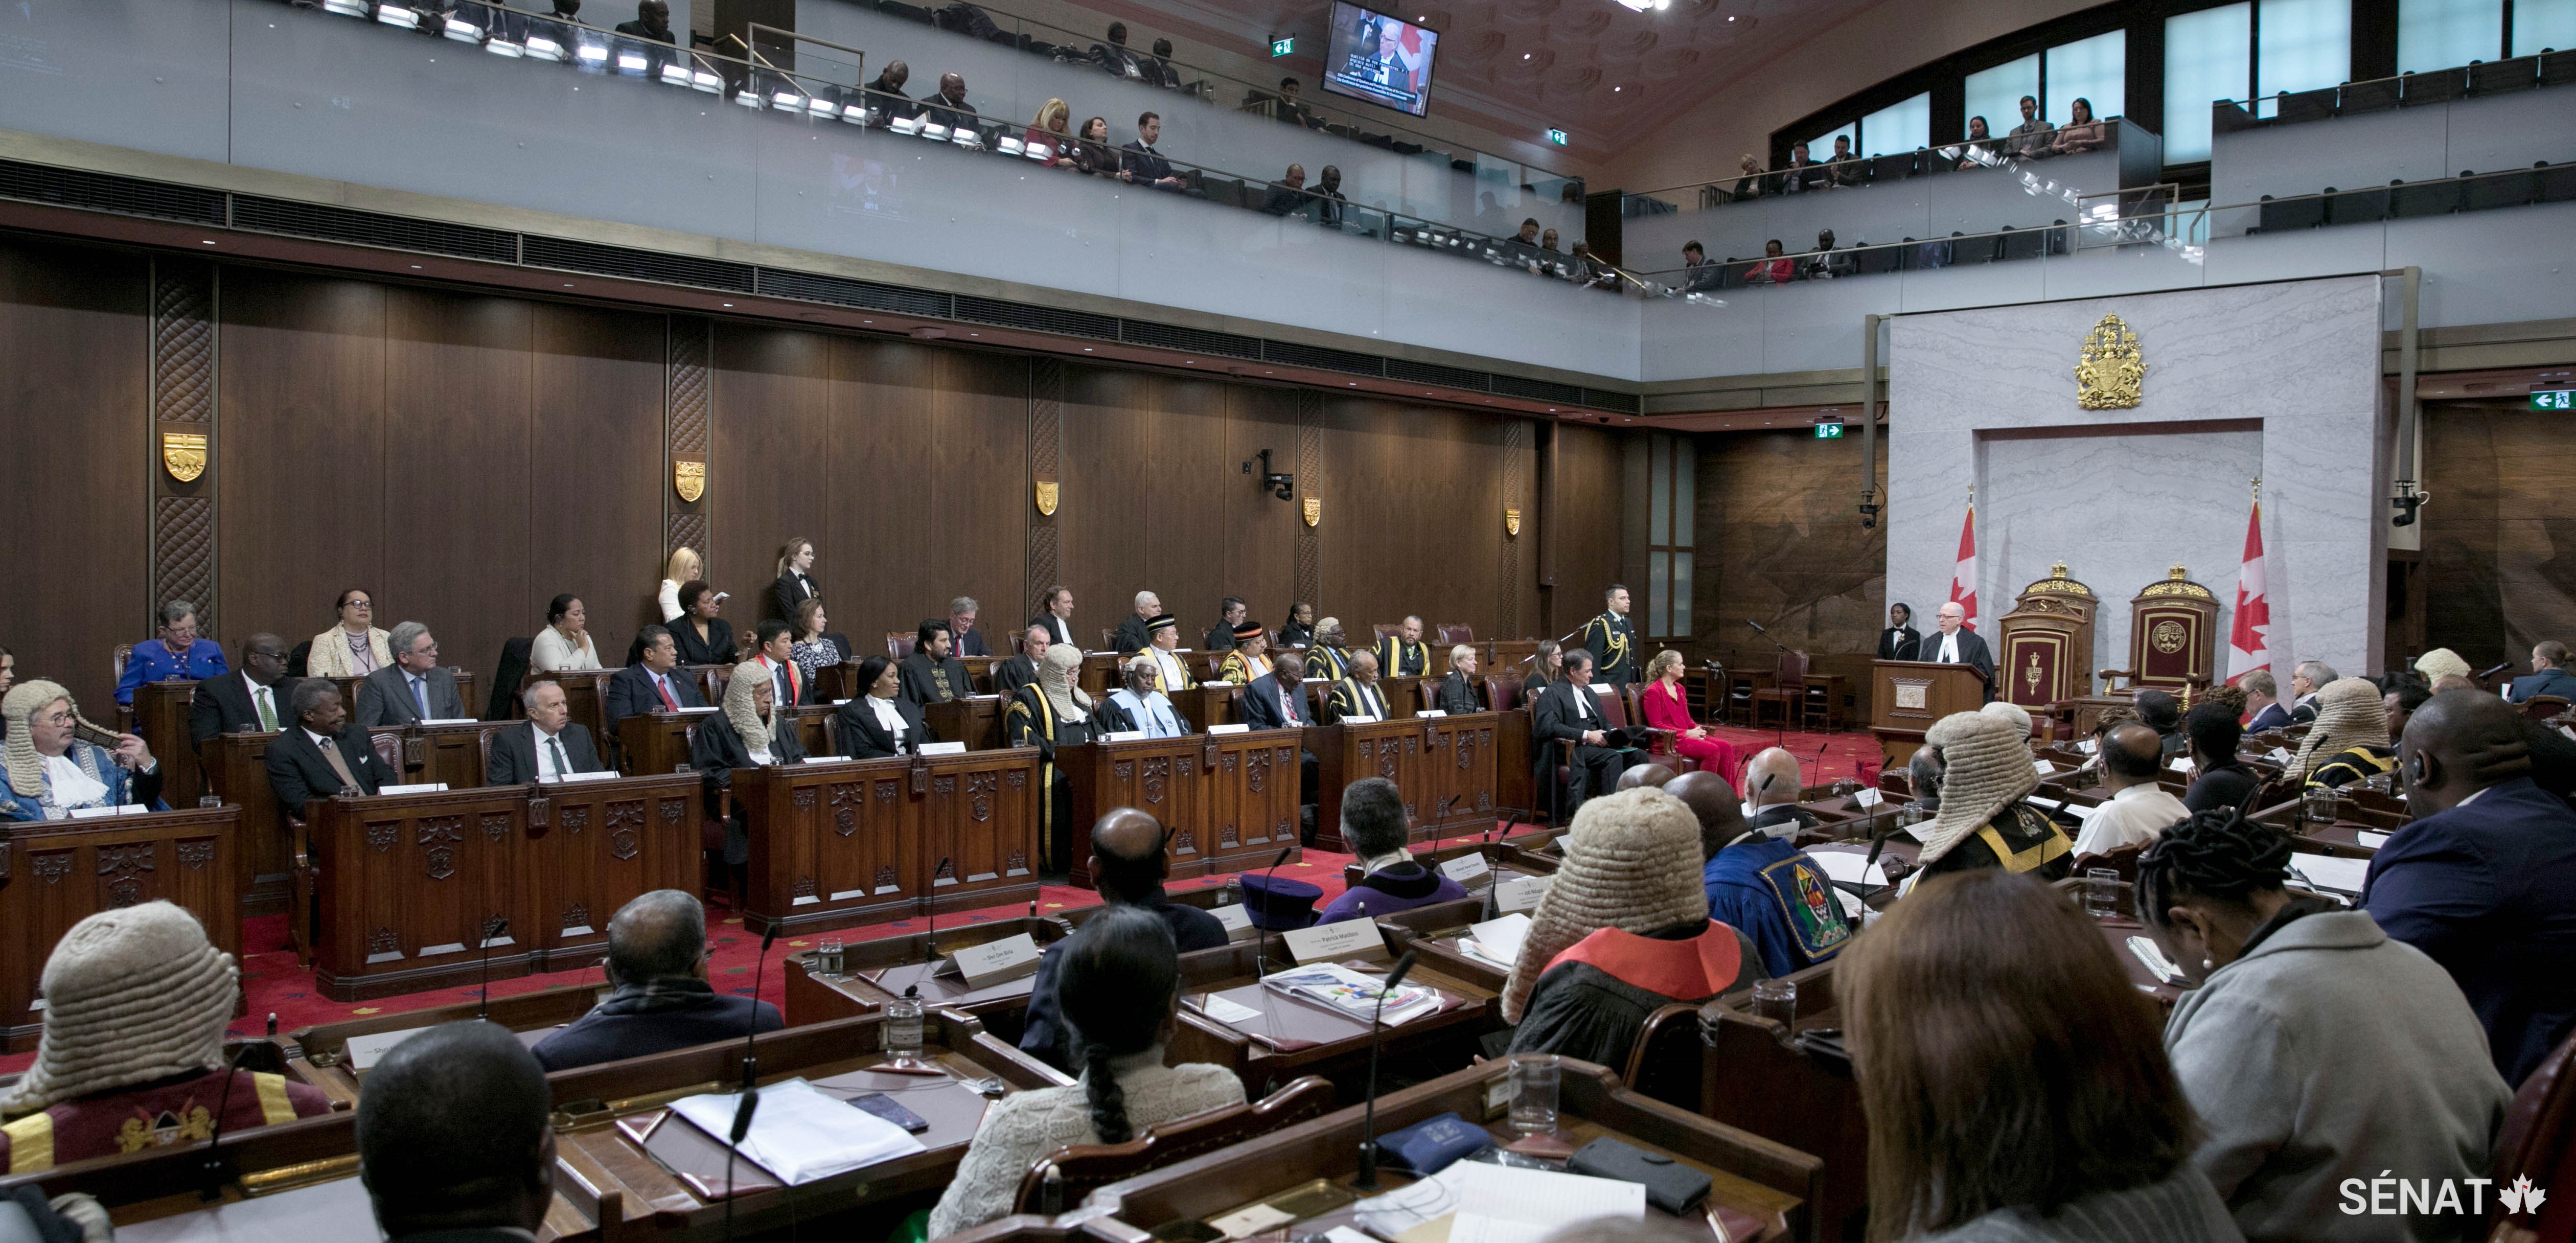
x=1514 y=568
x=1310 y=482
x=687 y=424
x=770 y=389
x=1046 y=456
x=1589 y=469
x=73 y=452
x=1414 y=521
x=599 y=478
x=183 y=406
x=981 y=511
x=300 y=469
x=1145 y=486
x=456 y=477
x=1779 y=541
x=1261 y=532
x=2497 y=536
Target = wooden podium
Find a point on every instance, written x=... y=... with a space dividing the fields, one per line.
x=1907 y=696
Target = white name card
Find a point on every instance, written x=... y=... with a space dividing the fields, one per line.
x=995 y=962
x=2041 y=767
x=2278 y=755
x=823 y=759
x=1431 y=712
x=2180 y=764
x=713 y=707
x=1467 y=869
x=449 y=720
x=119 y=809
x=567 y=778
x=1351 y=936
x=1359 y=720
x=1868 y=797
x=2372 y=840
x=418 y=787
x=1519 y=894
x=943 y=748
x=1122 y=735
x=1234 y=916
x=1237 y=728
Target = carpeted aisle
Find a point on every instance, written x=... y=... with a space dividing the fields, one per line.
x=276 y=985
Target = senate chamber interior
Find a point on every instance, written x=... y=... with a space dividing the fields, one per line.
x=1295 y=621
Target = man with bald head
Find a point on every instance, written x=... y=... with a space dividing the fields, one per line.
x=1128 y=864
x=1771 y=787
x=253 y=699
x=1655 y=775
x=1955 y=644
x=2139 y=809
x=657 y=962
x=1778 y=896
x=453 y=1138
x=2485 y=881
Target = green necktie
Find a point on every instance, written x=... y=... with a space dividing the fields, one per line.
x=267 y=708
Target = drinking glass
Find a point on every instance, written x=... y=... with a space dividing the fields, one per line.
x=2101 y=892
x=1534 y=1082
x=2319 y=804
x=1777 y=1000
x=903 y=1028
x=827 y=955
x=210 y=800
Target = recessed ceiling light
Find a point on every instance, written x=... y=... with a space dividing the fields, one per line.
x=210 y=241
x=728 y=304
x=415 y=267
x=567 y=284
x=1086 y=349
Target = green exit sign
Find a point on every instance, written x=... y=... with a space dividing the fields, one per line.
x=1556 y=136
x=2554 y=399
x=1829 y=431
x=1284 y=46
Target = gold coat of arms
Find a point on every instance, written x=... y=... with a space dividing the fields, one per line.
x=1048 y=490
x=1512 y=522
x=183 y=454
x=689 y=479
x=2112 y=372
x=1314 y=509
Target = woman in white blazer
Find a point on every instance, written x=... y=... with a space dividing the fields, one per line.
x=684 y=566
x=565 y=642
x=354 y=648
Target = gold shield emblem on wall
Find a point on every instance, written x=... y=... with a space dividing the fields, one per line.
x=183 y=454
x=1314 y=509
x=1048 y=489
x=1511 y=522
x=689 y=479
x=2112 y=372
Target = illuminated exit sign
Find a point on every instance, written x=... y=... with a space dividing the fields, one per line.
x=2554 y=399
x=1284 y=46
x=1829 y=431
x=1556 y=136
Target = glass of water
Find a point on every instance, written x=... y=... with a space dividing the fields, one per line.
x=827 y=955
x=210 y=800
x=2319 y=803
x=1777 y=1000
x=1534 y=1082
x=2101 y=892
x=903 y=1028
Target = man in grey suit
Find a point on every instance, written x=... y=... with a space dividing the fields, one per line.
x=413 y=688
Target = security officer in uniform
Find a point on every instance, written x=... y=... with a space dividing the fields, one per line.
x=1612 y=641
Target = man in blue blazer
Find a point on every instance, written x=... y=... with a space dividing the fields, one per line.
x=2548 y=676
x=2485 y=882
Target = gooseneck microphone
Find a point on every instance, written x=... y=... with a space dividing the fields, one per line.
x=492 y=928
x=750 y=1072
x=214 y=1167
x=1260 y=937
x=930 y=943
x=1367 y=1179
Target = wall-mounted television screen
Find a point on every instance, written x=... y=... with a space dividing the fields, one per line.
x=1384 y=60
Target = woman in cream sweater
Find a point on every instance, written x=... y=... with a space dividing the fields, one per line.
x=354 y=648
x=684 y=566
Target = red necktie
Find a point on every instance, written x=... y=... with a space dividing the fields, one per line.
x=663 y=688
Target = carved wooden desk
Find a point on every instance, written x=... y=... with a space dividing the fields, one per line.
x=848 y=842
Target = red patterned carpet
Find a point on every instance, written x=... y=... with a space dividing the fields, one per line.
x=278 y=986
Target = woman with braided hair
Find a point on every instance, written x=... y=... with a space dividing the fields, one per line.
x=2315 y=1049
x=1119 y=987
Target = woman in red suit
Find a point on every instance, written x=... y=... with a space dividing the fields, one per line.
x=1668 y=707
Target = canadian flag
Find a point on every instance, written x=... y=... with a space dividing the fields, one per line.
x=1963 y=578
x=2248 y=641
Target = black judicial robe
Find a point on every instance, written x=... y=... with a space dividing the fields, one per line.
x=925 y=681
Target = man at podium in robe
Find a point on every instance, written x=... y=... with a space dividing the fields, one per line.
x=1404 y=654
x=1955 y=644
x=1612 y=640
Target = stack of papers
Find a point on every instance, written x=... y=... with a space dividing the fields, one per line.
x=2329 y=874
x=1496 y=942
x=1353 y=995
x=799 y=1134
x=1512 y=1204
x=1848 y=868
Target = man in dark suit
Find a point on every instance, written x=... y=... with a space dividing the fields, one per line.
x=1142 y=164
x=1057 y=616
x=413 y=688
x=1128 y=865
x=322 y=753
x=2548 y=676
x=2306 y=679
x=652 y=684
x=1955 y=644
x=962 y=612
x=2262 y=698
x=548 y=746
x=657 y=959
x=1900 y=641
x=1221 y=638
x=1277 y=700
x=652 y=21
x=253 y=699
x=948 y=108
x=1135 y=633
x=933 y=674
x=776 y=652
x=1566 y=711
x=1021 y=670
x=2485 y=881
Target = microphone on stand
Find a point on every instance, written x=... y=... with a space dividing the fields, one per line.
x=2483 y=674
x=750 y=1071
x=1367 y=1180
x=1260 y=938
x=930 y=944
x=214 y=1167
x=492 y=928
x=1441 y=816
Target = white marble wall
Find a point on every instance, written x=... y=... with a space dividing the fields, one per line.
x=2289 y=374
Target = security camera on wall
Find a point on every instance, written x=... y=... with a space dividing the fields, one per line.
x=1280 y=484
